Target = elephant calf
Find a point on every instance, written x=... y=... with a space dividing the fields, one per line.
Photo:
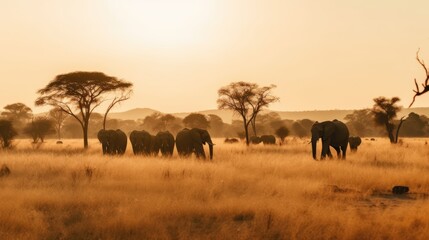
x=354 y=143
x=231 y=140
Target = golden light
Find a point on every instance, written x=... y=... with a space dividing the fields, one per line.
x=162 y=22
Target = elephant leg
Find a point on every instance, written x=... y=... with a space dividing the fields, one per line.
x=337 y=149
x=199 y=151
x=344 y=148
x=325 y=149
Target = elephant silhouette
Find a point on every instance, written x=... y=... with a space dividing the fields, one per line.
x=268 y=139
x=190 y=141
x=142 y=142
x=333 y=133
x=165 y=140
x=112 y=141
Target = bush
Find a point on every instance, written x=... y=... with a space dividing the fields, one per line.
x=7 y=133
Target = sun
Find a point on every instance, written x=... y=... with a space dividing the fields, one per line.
x=162 y=22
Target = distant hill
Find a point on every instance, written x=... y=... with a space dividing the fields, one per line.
x=133 y=114
x=227 y=116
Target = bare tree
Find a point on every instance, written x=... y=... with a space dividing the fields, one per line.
x=246 y=99
x=117 y=99
x=81 y=91
x=426 y=81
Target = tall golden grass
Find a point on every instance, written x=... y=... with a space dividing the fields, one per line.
x=260 y=192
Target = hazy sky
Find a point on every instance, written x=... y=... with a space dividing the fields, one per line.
x=331 y=54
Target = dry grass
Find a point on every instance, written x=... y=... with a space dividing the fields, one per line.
x=62 y=192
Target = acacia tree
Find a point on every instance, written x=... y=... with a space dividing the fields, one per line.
x=58 y=116
x=385 y=111
x=246 y=99
x=18 y=113
x=425 y=85
x=79 y=93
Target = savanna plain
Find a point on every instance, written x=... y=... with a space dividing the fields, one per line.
x=257 y=192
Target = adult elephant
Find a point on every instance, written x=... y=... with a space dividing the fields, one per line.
x=141 y=141
x=112 y=141
x=121 y=142
x=165 y=142
x=354 y=143
x=190 y=141
x=104 y=139
x=268 y=139
x=333 y=133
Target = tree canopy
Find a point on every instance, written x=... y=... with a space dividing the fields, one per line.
x=18 y=113
x=196 y=120
x=81 y=92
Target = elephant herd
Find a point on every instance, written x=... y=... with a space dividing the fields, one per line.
x=187 y=141
x=190 y=141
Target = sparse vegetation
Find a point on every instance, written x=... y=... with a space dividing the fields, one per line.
x=60 y=191
x=7 y=133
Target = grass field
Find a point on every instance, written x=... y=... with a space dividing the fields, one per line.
x=261 y=192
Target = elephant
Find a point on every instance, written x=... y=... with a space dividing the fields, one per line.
x=112 y=141
x=165 y=141
x=268 y=139
x=231 y=140
x=141 y=141
x=255 y=139
x=190 y=141
x=333 y=133
x=354 y=142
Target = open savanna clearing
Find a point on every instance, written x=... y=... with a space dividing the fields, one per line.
x=257 y=192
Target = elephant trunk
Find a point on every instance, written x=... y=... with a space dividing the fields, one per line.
x=313 y=147
x=211 y=150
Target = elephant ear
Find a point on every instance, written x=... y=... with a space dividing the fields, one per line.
x=328 y=129
x=196 y=136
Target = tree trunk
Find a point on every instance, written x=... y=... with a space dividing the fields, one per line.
x=85 y=134
x=254 y=126
x=59 y=131
x=389 y=128
x=397 y=130
x=246 y=131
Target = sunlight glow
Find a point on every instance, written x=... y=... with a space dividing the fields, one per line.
x=165 y=23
